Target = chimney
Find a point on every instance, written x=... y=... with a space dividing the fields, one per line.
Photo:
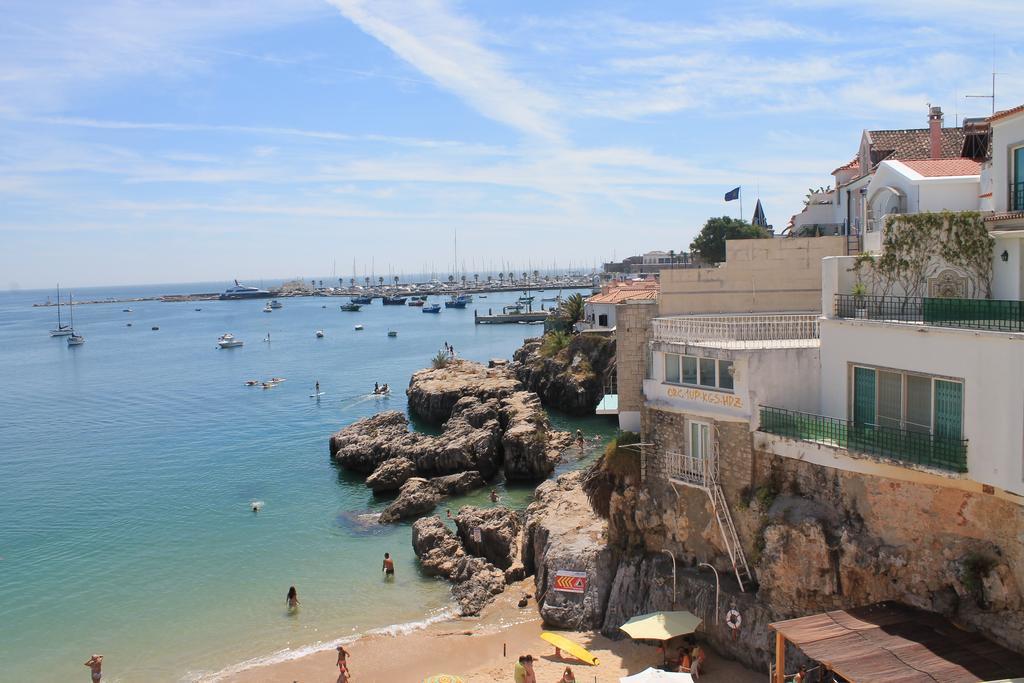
x=935 y=131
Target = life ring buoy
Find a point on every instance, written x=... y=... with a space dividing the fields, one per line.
x=733 y=620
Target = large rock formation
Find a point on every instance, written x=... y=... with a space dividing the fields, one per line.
x=418 y=496
x=476 y=581
x=564 y=533
x=494 y=534
x=490 y=425
x=531 y=447
x=571 y=380
x=434 y=392
x=467 y=443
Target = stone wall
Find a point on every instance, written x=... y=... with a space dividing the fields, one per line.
x=632 y=332
x=820 y=538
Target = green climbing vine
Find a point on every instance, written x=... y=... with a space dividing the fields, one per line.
x=916 y=245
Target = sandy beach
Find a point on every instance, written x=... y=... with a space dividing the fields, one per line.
x=480 y=650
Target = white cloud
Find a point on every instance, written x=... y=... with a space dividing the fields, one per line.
x=449 y=48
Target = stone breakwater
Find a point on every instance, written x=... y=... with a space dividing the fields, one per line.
x=490 y=426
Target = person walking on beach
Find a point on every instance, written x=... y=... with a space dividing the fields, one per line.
x=389 y=566
x=293 y=598
x=343 y=673
x=95 y=664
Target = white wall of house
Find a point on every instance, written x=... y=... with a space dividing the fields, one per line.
x=1008 y=275
x=1007 y=134
x=920 y=194
x=990 y=364
x=593 y=313
x=785 y=378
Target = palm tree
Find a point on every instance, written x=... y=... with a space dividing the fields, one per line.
x=476 y=278
x=511 y=277
x=572 y=309
x=536 y=275
x=463 y=280
x=352 y=281
x=501 y=278
x=396 y=281
x=380 y=280
x=367 y=280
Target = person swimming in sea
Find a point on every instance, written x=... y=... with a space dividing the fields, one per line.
x=293 y=599
x=494 y=495
x=389 y=566
x=95 y=664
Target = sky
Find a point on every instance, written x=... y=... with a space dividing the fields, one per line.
x=203 y=140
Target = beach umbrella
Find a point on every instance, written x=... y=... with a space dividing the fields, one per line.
x=661 y=625
x=443 y=678
x=652 y=675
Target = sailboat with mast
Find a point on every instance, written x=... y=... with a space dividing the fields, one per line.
x=61 y=330
x=74 y=339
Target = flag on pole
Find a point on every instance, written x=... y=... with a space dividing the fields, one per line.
x=732 y=194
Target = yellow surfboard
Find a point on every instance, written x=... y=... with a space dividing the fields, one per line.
x=566 y=645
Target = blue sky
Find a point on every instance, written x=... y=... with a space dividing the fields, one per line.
x=172 y=141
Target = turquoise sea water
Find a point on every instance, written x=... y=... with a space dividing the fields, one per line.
x=128 y=466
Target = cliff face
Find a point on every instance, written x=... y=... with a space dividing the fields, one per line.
x=819 y=538
x=573 y=379
x=433 y=392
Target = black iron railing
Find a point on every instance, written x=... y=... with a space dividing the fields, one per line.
x=975 y=314
x=1016 y=196
x=916 y=448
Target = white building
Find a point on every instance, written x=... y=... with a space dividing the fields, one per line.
x=599 y=309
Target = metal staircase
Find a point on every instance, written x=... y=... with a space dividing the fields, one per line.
x=702 y=473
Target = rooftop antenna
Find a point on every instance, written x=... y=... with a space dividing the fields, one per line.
x=994 y=74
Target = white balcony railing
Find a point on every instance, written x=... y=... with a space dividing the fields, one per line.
x=690 y=469
x=777 y=330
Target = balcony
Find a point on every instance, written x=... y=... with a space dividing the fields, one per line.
x=1016 y=197
x=974 y=314
x=905 y=446
x=784 y=330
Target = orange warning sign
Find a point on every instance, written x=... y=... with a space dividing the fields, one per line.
x=570 y=582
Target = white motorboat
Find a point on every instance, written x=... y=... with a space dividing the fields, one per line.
x=274 y=303
x=359 y=328
x=319 y=334
x=228 y=341
x=268 y=309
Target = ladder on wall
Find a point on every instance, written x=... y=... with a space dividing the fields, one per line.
x=725 y=523
x=732 y=540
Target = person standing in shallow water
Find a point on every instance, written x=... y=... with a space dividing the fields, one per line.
x=95 y=664
x=389 y=566
x=293 y=598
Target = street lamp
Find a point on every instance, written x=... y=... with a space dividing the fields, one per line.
x=705 y=564
x=673 y=558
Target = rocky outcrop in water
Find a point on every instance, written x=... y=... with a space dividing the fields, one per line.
x=475 y=580
x=391 y=474
x=490 y=425
x=418 y=496
x=571 y=380
x=434 y=392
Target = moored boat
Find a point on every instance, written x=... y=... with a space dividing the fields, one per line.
x=432 y=308
x=274 y=303
x=392 y=333
x=319 y=334
x=244 y=292
x=61 y=330
x=394 y=301
x=268 y=309
x=351 y=307
x=358 y=328
x=361 y=300
x=228 y=341
x=74 y=339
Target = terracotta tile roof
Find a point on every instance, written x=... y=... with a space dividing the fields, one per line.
x=936 y=168
x=852 y=163
x=618 y=292
x=913 y=143
x=1006 y=112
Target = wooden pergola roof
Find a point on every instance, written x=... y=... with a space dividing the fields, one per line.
x=897 y=644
